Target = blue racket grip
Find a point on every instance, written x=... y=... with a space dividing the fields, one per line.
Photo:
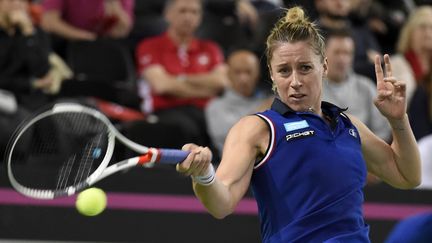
x=172 y=156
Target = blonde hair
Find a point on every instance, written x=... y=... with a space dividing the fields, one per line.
x=293 y=27
x=419 y=16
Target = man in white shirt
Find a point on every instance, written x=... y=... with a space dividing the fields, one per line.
x=238 y=100
x=347 y=89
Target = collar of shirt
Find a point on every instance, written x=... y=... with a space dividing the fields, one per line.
x=328 y=108
x=193 y=45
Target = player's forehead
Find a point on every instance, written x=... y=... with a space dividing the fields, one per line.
x=297 y=52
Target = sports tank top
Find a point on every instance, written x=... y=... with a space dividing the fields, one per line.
x=308 y=186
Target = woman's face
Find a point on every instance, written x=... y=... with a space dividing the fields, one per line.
x=297 y=73
x=422 y=36
x=4 y=7
x=7 y=6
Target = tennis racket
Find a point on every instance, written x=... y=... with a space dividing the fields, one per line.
x=67 y=148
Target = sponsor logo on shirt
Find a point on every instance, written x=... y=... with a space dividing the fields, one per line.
x=353 y=133
x=292 y=126
x=146 y=59
x=296 y=135
x=203 y=59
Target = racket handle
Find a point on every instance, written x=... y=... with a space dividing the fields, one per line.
x=172 y=156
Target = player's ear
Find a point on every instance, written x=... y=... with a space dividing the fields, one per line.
x=325 y=67
x=270 y=73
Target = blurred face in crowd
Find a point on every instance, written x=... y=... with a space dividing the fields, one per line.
x=334 y=8
x=5 y=6
x=8 y=6
x=19 y=5
x=422 y=35
x=340 y=55
x=297 y=72
x=13 y=5
x=184 y=16
x=243 y=72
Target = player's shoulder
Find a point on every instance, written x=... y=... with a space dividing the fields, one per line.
x=251 y=124
x=250 y=130
x=361 y=127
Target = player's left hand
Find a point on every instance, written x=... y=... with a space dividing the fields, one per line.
x=391 y=97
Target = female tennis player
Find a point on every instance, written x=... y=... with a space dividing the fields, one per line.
x=306 y=160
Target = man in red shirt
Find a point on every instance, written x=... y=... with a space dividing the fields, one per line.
x=179 y=72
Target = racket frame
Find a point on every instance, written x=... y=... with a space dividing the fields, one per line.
x=101 y=172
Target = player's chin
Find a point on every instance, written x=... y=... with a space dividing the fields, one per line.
x=298 y=105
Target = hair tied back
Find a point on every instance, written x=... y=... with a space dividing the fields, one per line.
x=295 y=15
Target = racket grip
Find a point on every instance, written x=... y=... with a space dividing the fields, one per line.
x=172 y=156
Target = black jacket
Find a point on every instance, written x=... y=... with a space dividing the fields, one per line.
x=23 y=59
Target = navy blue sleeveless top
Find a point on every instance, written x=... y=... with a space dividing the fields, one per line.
x=308 y=186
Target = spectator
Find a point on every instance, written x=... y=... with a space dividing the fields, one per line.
x=24 y=66
x=420 y=109
x=425 y=148
x=236 y=24
x=246 y=11
x=343 y=82
x=148 y=21
x=385 y=18
x=240 y=24
x=24 y=54
x=237 y=101
x=414 y=49
x=86 y=20
x=179 y=72
x=334 y=14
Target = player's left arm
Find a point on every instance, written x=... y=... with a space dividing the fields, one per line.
x=397 y=164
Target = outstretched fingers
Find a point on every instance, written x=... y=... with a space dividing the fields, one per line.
x=379 y=73
x=388 y=67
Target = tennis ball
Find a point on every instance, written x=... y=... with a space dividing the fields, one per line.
x=91 y=202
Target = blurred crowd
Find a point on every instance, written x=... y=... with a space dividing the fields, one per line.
x=178 y=71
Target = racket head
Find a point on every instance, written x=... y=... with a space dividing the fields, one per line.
x=59 y=151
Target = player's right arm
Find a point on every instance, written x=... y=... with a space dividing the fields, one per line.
x=246 y=142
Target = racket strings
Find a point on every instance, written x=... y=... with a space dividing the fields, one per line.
x=92 y=130
x=90 y=153
x=60 y=150
x=70 y=123
x=65 y=172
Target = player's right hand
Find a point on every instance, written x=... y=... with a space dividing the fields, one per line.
x=198 y=161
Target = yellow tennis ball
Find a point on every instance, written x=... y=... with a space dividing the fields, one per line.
x=91 y=202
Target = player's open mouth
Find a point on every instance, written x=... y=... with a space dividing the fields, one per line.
x=297 y=96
